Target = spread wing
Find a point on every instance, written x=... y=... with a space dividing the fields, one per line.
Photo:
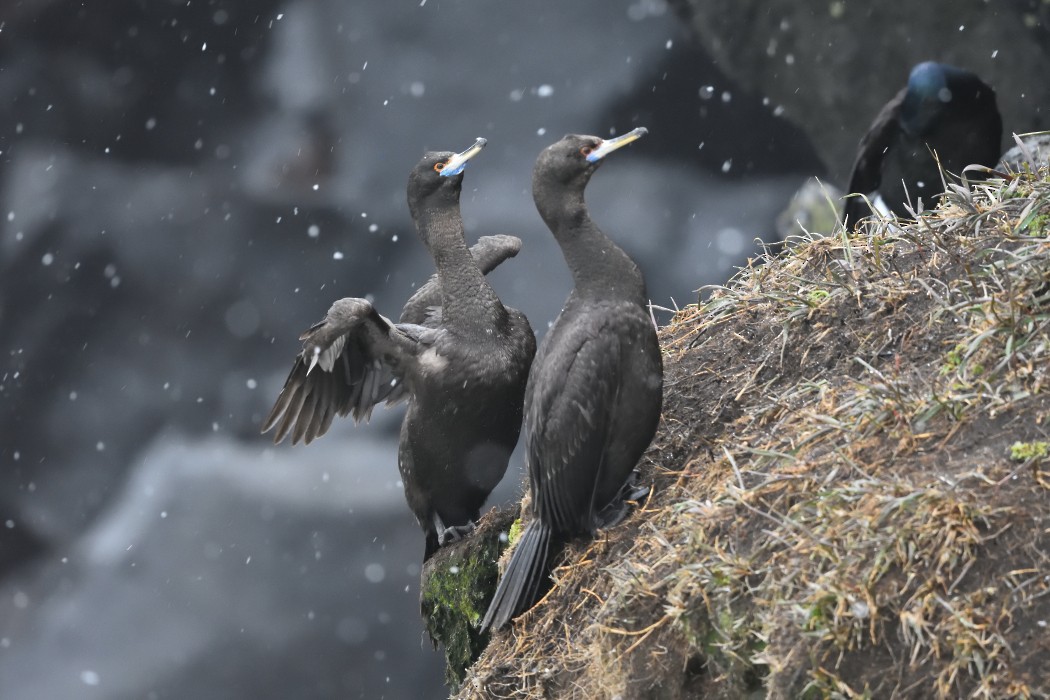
x=568 y=417
x=354 y=358
x=866 y=175
x=424 y=307
x=350 y=361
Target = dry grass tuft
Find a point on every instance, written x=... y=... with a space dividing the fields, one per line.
x=851 y=483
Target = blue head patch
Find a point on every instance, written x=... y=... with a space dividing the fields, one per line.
x=927 y=95
x=449 y=172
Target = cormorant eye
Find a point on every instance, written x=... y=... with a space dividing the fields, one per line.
x=586 y=151
x=438 y=167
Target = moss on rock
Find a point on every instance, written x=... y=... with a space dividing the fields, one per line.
x=1024 y=451
x=456 y=586
x=516 y=529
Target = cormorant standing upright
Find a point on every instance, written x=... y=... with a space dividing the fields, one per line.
x=459 y=355
x=595 y=391
x=943 y=109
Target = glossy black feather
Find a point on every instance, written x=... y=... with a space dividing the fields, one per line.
x=943 y=110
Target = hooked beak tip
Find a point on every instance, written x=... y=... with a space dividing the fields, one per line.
x=607 y=146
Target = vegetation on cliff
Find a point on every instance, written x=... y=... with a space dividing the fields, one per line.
x=851 y=485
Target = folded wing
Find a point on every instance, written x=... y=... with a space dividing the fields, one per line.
x=866 y=175
x=567 y=427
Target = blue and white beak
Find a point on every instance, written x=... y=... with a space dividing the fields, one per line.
x=607 y=146
x=458 y=162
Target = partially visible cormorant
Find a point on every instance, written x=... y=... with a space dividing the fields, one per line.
x=943 y=109
x=595 y=391
x=459 y=356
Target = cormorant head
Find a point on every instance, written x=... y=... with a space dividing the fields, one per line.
x=571 y=161
x=438 y=177
x=932 y=89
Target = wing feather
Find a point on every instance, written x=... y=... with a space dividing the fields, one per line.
x=345 y=367
x=866 y=175
x=348 y=363
x=569 y=416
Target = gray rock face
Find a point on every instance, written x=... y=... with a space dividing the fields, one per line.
x=832 y=64
x=1032 y=152
x=815 y=209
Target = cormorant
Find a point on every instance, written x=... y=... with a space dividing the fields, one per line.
x=595 y=390
x=943 y=109
x=459 y=356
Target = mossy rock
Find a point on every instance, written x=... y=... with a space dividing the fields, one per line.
x=456 y=586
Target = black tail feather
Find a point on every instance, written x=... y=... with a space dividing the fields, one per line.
x=522 y=582
x=432 y=546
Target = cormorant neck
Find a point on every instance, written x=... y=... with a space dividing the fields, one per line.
x=467 y=300
x=600 y=268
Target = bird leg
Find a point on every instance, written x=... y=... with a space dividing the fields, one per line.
x=633 y=489
x=617 y=509
x=447 y=535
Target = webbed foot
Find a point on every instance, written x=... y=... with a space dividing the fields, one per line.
x=447 y=535
x=616 y=510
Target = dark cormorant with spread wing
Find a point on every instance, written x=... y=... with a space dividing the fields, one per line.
x=943 y=109
x=459 y=356
x=595 y=391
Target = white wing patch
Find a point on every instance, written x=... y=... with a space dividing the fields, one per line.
x=432 y=361
x=326 y=358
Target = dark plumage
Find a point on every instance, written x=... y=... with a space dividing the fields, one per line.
x=459 y=356
x=943 y=109
x=595 y=391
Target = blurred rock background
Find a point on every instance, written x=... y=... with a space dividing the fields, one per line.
x=185 y=186
x=831 y=64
